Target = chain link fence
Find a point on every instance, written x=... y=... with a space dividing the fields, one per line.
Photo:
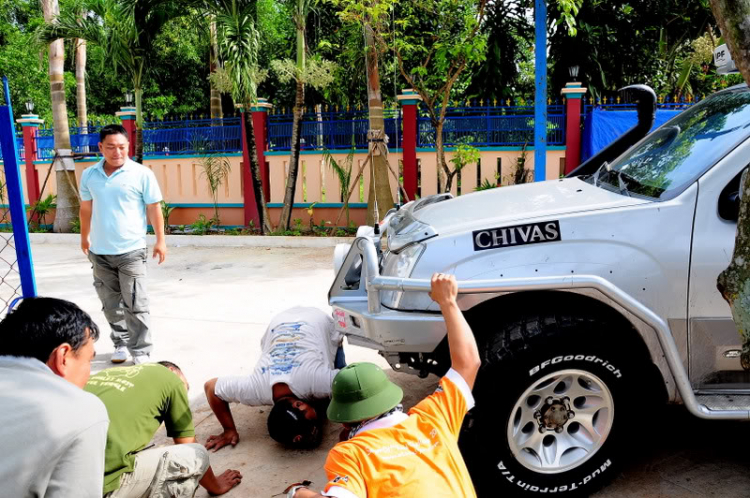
x=16 y=267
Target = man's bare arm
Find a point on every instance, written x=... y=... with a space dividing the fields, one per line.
x=307 y=493
x=156 y=217
x=84 y=214
x=463 y=346
x=224 y=416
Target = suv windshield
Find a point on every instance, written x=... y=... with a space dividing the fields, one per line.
x=672 y=157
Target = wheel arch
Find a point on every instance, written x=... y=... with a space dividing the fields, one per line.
x=639 y=339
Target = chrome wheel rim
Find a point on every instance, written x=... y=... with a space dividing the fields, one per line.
x=561 y=421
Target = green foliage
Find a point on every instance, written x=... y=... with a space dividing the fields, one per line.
x=317 y=73
x=215 y=166
x=344 y=173
x=40 y=209
x=239 y=43
x=75 y=225
x=463 y=155
x=202 y=225
x=519 y=173
x=486 y=185
x=166 y=211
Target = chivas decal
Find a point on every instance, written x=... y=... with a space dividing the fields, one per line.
x=533 y=233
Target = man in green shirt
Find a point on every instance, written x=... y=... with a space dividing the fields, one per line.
x=138 y=399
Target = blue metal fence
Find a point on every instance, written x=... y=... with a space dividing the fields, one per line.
x=492 y=126
x=82 y=140
x=330 y=130
x=159 y=137
x=192 y=137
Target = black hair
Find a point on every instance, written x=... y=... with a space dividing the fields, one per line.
x=39 y=325
x=112 y=129
x=285 y=422
x=169 y=364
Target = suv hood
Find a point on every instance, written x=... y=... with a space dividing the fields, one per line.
x=515 y=203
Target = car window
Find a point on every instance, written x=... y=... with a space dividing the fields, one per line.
x=671 y=158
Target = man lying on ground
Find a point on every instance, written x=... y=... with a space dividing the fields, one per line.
x=52 y=432
x=390 y=453
x=139 y=399
x=297 y=365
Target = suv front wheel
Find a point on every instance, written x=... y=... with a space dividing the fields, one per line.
x=554 y=405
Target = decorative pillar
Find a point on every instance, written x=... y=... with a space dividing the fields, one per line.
x=30 y=124
x=260 y=128
x=250 y=207
x=410 y=100
x=127 y=116
x=574 y=93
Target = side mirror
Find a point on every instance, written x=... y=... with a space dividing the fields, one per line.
x=729 y=200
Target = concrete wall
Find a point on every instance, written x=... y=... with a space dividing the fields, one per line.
x=184 y=186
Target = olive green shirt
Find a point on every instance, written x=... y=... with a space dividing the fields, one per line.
x=138 y=399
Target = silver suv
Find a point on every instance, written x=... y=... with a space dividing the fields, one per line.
x=593 y=298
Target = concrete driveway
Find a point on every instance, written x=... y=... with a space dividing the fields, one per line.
x=210 y=307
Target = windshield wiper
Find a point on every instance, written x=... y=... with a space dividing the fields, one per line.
x=595 y=176
x=622 y=185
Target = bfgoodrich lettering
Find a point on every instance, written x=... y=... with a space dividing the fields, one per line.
x=533 y=233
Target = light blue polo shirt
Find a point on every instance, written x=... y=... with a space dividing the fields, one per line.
x=118 y=221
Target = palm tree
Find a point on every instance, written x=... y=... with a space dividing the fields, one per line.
x=239 y=42
x=216 y=111
x=67 y=193
x=126 y=30
x=81 y=113
x=319 y=74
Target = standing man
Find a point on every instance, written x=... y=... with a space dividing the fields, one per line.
x=116 y=195
x=391 y=453
x=139 y=399
x=53 y=433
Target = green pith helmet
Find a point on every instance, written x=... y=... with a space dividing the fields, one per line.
x=362 y=391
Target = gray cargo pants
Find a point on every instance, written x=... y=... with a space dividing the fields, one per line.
x=166 y=472
x=120 y=282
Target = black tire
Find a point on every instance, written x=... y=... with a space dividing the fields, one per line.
x=516 y=357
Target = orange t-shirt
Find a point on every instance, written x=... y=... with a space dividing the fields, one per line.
x=416 y=457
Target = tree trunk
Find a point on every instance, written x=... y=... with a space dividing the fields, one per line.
x=260 y=198
x=216 y=111
x=442 y=165
x=138 y=125
x=81 y=113
x=291 y=180
x=299 y=103
x=67 y=192
x=380 y=194
x=734 y=281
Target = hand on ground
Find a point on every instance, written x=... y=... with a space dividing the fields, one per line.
x=217 y=442
x=227 y=480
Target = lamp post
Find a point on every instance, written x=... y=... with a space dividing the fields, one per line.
x=573 y=72
x=127 y=116
x=30 y=123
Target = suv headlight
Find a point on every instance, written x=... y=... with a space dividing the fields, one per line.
x=404 y=230
x=400 y=265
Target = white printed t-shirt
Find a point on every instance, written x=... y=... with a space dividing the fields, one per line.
x=298 y=349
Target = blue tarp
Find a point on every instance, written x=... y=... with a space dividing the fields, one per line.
x=602 y=127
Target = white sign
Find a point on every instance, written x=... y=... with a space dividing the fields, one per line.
x=723 y=60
